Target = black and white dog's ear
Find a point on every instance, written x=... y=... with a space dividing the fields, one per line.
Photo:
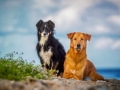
x=39 y=23
x=51 y=23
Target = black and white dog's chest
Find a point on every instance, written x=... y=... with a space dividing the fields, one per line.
x=45 y=55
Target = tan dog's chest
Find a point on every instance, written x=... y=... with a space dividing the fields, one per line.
x=77 y=69
x=75 y=66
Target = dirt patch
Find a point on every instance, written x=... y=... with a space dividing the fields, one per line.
x=60 y=84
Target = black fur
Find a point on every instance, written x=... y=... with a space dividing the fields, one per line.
x=58 y=51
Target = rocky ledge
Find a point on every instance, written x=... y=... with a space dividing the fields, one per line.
x=60 y=84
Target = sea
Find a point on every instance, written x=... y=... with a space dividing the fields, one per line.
x=109 y=73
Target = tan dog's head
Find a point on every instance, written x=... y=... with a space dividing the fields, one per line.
x=78 y=40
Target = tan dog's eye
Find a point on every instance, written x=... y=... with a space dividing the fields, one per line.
x=74 y=38
x=82 y=39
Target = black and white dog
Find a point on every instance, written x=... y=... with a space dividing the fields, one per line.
x=49 y=49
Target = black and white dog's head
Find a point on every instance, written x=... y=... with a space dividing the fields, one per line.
x=45 y=29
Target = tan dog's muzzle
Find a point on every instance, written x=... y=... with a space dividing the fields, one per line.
x=78 y=46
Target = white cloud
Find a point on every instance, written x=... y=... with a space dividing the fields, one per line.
x=12 y=3
x=8 y=28
x=107 y=43
x=39 y=8
x=67 y=16
x=115 y=19
x=22 y=30
x=98 y=29
x=42 y=5
x=103 y=43
x=70 y=16
x=116 y=45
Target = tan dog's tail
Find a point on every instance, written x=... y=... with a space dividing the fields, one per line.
x=95 y=76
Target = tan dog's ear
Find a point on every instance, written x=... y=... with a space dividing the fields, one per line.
x=87 y=36
x=70 y=35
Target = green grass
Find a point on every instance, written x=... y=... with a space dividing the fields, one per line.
x=13 y=67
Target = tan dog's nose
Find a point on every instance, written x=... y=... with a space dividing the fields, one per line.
x=78 y=45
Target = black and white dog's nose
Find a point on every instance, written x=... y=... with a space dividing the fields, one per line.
x=44 y=34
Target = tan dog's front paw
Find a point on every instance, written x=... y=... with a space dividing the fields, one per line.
x=73 y=74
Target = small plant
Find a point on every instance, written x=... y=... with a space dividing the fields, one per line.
x=13 y=67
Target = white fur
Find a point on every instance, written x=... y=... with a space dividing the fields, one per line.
x=46 y=56
x=73 y=71
x=43 y=40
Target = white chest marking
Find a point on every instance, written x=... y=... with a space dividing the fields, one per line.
x=46 y=56
x=43 y=40
x=73 y=71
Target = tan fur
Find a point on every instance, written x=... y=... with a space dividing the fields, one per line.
x=76 y=64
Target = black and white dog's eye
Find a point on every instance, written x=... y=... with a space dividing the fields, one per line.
x=47 y=28
x=41 y=31
x=42 y=28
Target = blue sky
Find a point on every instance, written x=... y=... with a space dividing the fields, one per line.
x=100 y=18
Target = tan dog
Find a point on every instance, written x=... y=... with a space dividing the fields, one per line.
x=76 y=64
